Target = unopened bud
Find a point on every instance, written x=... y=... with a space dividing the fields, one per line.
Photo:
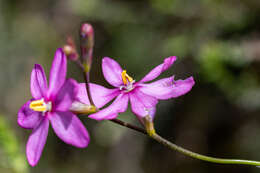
x=70 y=50
x=86 y=30
x=86 y=44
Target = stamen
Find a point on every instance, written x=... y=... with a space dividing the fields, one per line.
x=123 y=74
x=36 y=103
x=40 y=106
x=126 y=78
x=129 y=78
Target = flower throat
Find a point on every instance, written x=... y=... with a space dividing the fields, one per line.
x=128 y=82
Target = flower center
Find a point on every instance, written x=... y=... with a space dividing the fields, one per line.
x=128 y=82
x=40 y=105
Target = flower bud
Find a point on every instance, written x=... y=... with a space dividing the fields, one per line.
x=87 y=31
x=86 y=44
x=70 y=50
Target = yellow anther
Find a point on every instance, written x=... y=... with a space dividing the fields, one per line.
x=123 y=74
x=126 y=77
x=38 y=105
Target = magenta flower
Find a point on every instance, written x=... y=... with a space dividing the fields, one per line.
x=143 y=96
x=51 y=104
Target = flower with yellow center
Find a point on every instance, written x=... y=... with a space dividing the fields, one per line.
x=51 y=104
x=143 y=96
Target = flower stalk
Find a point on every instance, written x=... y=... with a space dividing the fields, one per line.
x=86 y=54
x=194 y=155
x=128 y=125
x=87 y=79
x=150 y=131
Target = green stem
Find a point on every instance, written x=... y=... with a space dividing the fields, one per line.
x=186 y=152
x=152 y=134
x=128 y=125
x=149 y=126
x=86 y=77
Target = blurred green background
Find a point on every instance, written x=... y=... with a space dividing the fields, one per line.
x=216 y=41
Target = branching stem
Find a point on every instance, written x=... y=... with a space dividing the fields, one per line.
x=184 y=151
x=128 y=125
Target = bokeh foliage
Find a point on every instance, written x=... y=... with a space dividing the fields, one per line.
x=216 y=41
x=12 y=159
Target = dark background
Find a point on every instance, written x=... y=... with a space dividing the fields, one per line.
x=216 y=41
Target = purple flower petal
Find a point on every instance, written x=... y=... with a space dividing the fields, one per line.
x=69 y=128
x=111 y=112
x=142 y=104
x=66 y=95
x=99 y=94
x=168 y=88
x=57 y=73
x=159 y=69
x=28 y=118
x=112 y=72
x=38 y=82
x=36 y=142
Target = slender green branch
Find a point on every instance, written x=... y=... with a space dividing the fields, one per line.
x=128 y=125
x=150 y=131
x=186 y=152
x=86 y=77
x=148 y=122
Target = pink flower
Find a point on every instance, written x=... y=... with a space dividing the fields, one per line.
x=143 y=96
x=51 y=105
